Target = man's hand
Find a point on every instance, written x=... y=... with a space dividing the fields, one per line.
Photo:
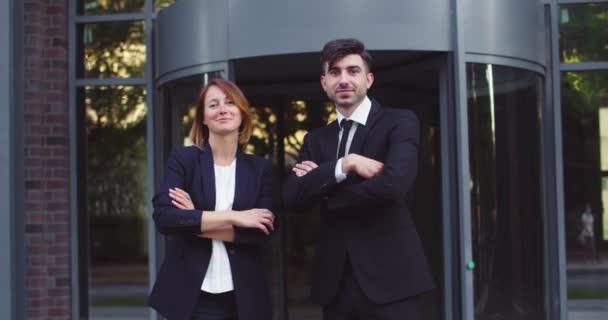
x=304 y=167
x=181 y=199
x=363 y=166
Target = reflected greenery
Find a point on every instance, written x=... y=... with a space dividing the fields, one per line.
x=113 y=50
x=263 y=141
x=116 y=172
x=583 y=32
x=90 y=7
x=161 y=4
x=584 y=97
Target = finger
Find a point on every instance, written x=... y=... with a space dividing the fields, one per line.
x=263 y=228
x=184 y=197
x=310 y=164
x=300 y=172
x=268 y=221
x=177 y=197
x=178 y=205
x=305 y=166
x=183 y=193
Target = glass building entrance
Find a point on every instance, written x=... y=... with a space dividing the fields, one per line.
x=287 y=102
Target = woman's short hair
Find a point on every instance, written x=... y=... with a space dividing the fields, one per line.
x=199 y=131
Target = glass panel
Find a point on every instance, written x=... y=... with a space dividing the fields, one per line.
x=161 y=4
x=112 y=50
x=180 y=106
x=585 y=147
x=300 y=116
x=90 y=7
x=583 y=32
x=116 y=199
x=504 y=106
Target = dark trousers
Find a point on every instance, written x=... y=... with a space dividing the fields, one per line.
x=210 y=306
x=351 y=303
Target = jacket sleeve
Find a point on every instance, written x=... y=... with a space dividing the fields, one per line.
x=301 y=193
x=167 y=217
x=265 y=200
x=398 y=176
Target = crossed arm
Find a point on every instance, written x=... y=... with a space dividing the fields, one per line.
x=370 y=183
x=220 y=225
x=174 y=211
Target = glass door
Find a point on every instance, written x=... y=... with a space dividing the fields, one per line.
x=507 y=234
x=287 y=102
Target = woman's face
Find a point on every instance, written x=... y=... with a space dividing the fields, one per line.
x=222 y=116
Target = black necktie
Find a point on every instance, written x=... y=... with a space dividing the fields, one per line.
x=345 y=124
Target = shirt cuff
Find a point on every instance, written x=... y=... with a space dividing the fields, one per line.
x=340 y=176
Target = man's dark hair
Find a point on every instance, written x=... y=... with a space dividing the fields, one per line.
x=340 y=48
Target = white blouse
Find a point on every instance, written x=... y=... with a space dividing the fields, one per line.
x=218 y=278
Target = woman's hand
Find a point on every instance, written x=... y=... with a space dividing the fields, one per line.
x=261 y=219
x=181 y=199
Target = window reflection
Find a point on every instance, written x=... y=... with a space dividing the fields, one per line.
x=161 y=4
x=112 y=50
x=109 y=6
x=583 y=32
x=116 y=199
x=585 y=154
x=506 y=215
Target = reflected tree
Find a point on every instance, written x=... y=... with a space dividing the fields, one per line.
x=584 y=32
x=160 y=4
x=110 y=6
x=114 y=49
x=116 y=170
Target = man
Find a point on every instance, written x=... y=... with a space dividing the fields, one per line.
x=370 y=263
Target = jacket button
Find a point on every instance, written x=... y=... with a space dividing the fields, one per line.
x=231 y=251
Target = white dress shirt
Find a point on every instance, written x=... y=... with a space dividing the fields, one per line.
x=218 y=278
x=359 y=117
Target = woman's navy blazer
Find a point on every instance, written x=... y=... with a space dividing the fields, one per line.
x=178 y=283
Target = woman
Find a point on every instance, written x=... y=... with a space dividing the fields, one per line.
x=215 y=206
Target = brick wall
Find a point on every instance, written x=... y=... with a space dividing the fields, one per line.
x=47 y=229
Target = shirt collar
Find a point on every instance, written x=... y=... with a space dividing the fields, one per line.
x=360 y=114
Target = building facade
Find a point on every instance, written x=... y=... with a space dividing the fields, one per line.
x=513 y=175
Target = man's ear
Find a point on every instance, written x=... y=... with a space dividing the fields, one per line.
x=322 y=80
x=370 y=79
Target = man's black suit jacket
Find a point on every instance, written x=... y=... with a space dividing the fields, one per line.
x=365 y=220
x=178 y=283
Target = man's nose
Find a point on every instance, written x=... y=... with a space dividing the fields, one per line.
x=343 y=80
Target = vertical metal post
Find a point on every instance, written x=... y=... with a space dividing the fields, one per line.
x=463 y=172
x=558 y=228
x=150 y=139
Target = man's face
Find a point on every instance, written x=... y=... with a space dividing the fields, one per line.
x=347 y=81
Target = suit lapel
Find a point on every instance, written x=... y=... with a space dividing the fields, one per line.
x=208 y=178
x=241 y=182
x=363 y=130
x=331 y=141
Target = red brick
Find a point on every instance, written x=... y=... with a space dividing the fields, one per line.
x=57 y=312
